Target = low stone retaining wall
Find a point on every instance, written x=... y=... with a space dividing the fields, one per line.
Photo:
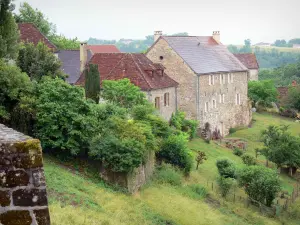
x=23 y=196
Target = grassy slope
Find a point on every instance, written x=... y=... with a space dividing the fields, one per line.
x=77 y=200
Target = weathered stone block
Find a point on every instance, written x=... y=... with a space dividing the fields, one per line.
x=38 y=178
x=31 y=146
x=28 y=161
x=4 y=198
x=30 y=197
x=16 y=218
x=16 y=178
x=42 y=216
x=5 y=161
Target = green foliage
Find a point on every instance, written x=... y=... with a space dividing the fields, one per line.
x=199 y=159
x=92 y=82
x=179 y=121
x=9 y=34
x=281 y=147
x=167 y=174
x=62 y=42
x=38 y=61
x=226 y=168
x=249 y=160
x=260 y=183
x=262 y=92
x=14 y=86
x=174 y=150
x=293 y=98
x=64 y=119
x=122 y=93
x=225 y=184
x=196 y=191
x=238 y=152
x=232 y=130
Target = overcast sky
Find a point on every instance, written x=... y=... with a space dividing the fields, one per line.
x=259 y=20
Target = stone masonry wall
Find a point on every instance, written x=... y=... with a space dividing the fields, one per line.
x=178 y=70
x=23 y=196
x=165 y=111
x=253 y=74
x=227 y=114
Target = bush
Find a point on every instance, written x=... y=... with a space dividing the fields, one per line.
x=260 y=183
x=232 y=130
x=167 y=174
x=225 y=185
x=249 y=160
x=262 y=92
x=179 y=121
x=174 y=150
x=226 y=168
x=238 y=151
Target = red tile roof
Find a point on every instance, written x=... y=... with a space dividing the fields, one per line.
x=30 y=33
x=103 y=49
x=248 y=59
x=136 y=67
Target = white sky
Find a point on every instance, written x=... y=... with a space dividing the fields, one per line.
x=259 y=20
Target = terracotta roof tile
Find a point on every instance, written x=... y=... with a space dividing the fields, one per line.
x=248 y=59
x=136 y=67
x=103 y=49
x=30 y=33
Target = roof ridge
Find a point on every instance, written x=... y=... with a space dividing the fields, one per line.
x=140 y=71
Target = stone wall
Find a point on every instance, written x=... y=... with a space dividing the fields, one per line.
x=134 y=180
x=165 y=111
x=179 y=71
x=23 y=196
x=253 y=74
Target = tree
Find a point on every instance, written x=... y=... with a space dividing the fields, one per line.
x=260 y=183
x=199 y=159
x=14 y=85
x=247 y=47
x=226 y=168
x=38 y=61
x=29 y=15
x=61 y=42
x=225 y=184
x=8 y=32
x=293 y=98
x=92 y=82
x=123 y=93
x=262 y=92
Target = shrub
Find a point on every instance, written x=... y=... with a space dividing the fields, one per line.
x=174 y=150
x=179 y=121
x=262 y=92
x=249 y=160
x=226 y=168
x=225 y=184
x=260 y=183
x=238 y=151
x=167 y=174
x=232 y=130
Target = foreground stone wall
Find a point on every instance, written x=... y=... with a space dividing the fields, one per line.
x=23 y=197
x=134 y=180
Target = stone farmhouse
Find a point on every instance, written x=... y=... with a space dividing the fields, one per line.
x=151 y=77
x=213 y=83
x=249 y=60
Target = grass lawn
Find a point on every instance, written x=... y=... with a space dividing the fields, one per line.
x=79 y=200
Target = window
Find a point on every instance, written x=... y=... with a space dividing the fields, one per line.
x=223 y=98
x=166 y=99
x=220 y=98
x=206 y=106
x=157 y=102
x=223 y=79
x=213 y=79
x=161 y=57
x=238 y=99
x=231 y=77
x=214 y=104
x=209 y=80
x=228 y=78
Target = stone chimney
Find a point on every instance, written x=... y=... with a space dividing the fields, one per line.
x=157 y=34
x=83 y=55
x=216 y=36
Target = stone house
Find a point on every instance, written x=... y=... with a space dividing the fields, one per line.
x=249 y=60
x=151 y=77
x=213 y=83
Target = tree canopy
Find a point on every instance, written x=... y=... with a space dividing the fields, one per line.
x=262 y=92
x=92 y=82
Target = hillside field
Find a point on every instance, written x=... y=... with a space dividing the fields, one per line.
x=78 y=198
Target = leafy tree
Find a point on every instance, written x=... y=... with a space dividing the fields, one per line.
x=30 y=15
x=260 y=183
x=179 y=121
x=249 y=160
x=8 y=32
x=262 y=92
x=199 y=159
x=38 y=61
x=293 y=98
x=174 y=150
x=92 y=82
x=226 y=168
x=61 y=42
x=122 y=93
x=225 y=184
x=65 y=120
x=247 y=47
x=14 y=85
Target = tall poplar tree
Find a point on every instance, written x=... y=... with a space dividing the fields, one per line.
x=92 y=82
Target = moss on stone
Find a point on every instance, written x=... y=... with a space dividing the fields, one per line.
x=31 y=146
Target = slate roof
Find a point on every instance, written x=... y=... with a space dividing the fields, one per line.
x=136 y=67
x=30 y=33
x=204 y=55
x=103 y=49
x=71 y=63
x=248 y=59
